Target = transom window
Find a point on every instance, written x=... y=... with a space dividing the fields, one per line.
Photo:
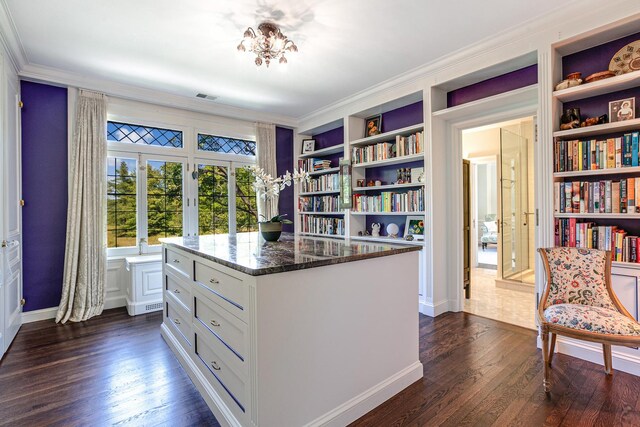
x=221 y=144
x=137 y=134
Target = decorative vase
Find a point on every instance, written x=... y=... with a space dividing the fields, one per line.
x=270 y=230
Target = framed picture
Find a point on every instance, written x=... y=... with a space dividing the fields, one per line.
x=373 y=125
x=414 y=226
x=345 y=184
x=623 y=109
x=308 y=146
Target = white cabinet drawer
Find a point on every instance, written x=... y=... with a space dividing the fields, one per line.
x=218 y=371
x=179 y=263
x=226 y=327
x=228 y=288
x=177 y=320
x=180 y=290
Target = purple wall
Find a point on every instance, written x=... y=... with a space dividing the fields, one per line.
x=284 y=154
x=44 y=189
x=596 y=58
x=510 y=81
x=402 y=117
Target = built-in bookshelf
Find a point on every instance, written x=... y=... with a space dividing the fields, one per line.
x=596 y=169
x=318 y=211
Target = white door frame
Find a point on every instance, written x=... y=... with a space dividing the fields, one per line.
x=509 y=106
x=475 y=221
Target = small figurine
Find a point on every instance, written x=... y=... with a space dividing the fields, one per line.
x=330 y=229
x=408 y=237
x=375 y=229
x=370 y=183
x=570 y=119
x=572 y=80
x=378 y=183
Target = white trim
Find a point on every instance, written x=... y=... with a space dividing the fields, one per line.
x=368 y=400
x=622 y=361
x=37 y=315
x=432 y=310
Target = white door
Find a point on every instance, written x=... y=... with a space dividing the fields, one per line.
x=12 y=216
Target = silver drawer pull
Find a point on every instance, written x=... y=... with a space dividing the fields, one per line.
x=214 y=281
x=176 y=291
x=177 y=261
x=176 y=321
x=214 y=323
x=215 y=366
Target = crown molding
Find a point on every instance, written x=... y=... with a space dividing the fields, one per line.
x=530 y=36
x=38 y=73
x=9 y=38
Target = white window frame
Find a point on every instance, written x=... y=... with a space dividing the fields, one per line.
x=190 y=157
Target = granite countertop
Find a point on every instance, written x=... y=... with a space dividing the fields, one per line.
x=250 y=254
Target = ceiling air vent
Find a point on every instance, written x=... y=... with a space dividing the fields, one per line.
x=205 y=96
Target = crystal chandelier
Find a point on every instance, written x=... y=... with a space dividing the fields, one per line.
x=268 y=43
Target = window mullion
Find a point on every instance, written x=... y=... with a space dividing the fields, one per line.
x=143 y=233
x=231 y=208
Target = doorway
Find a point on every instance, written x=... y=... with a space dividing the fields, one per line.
x=501 y=231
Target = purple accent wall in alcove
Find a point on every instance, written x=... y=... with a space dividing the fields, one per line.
x=44 y=189
x=284 y=155
x=596 y=58
x=510 y=81
x=329 y=138
x=402 y=117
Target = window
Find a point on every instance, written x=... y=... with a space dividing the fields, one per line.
x=164 y=200
x=161 y=185
x=220 y=144
x=213 y=199
x=246 y=202
x=121 y=202
x=136 y=134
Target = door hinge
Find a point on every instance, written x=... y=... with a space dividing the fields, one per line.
x=23 y=301
x=537 y=217
x=20 y=104
x=21 y=202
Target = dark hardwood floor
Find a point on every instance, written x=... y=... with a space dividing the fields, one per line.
x=117 y=370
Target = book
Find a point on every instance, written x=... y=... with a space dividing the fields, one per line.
x=623 y=196
x=618 y=152
x=634 y=149
x=615 y=197
x=626 y=150
x=631 y=195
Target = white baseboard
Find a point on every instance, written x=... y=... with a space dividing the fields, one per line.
x=37 y=315
x=623 y=359
x=432 y=310
x=50 y=313
x=370 y=399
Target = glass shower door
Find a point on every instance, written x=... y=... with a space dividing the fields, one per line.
x=514 y=200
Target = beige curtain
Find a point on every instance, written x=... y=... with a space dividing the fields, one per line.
x=85 y=258
x=266 y=159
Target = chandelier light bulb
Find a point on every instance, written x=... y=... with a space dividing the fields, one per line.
x=267 y=43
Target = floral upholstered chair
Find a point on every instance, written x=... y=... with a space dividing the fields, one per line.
x=578 y=302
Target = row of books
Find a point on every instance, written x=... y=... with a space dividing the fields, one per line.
x=314 y=165
x=597 y=197
x=322 y=225
x=327 y=182
x=403 y=146
x=318 y=204
x=386 y=201
x=570 y=232
x=597 y=154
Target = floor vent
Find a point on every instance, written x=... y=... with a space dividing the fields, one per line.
x=152 y=307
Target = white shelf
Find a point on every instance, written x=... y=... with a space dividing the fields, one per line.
x=391 y=161
x=599 y=129
x=596 y=172
x=321 y=213
x=601 y=87
x=333 y=236
x=389 y=187
x=389 y=213
x=387 y=136
x=626 y=264
x=387 y=239
x=323 y=152
x=597 y=215
x=319 y=193
x=323 y=171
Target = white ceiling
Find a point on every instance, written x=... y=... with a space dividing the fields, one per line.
x=189 y=46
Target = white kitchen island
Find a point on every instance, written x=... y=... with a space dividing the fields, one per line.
x=304 y=331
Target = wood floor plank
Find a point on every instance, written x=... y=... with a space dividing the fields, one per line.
x=117 y=370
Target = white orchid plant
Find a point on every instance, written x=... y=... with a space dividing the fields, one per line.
x=268 y=188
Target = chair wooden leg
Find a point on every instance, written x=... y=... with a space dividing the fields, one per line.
x=606 y=351
x=546 y=383
x=552 y=349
